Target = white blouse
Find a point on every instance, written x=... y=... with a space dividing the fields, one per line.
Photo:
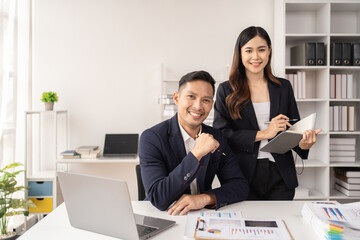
x=262 y=112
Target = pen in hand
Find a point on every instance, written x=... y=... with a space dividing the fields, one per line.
x=288 y=120
x=196 y=137
x=221 y=152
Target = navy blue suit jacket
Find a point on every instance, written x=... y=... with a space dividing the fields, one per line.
x=167 y=170
x=241 y=133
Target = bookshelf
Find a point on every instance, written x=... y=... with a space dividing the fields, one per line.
x=327 y=21
x=46 y=135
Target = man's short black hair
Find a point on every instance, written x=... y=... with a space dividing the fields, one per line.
x=197 y=75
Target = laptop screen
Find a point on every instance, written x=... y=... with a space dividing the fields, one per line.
x=121 y=144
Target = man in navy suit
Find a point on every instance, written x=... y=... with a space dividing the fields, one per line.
x=180 y=156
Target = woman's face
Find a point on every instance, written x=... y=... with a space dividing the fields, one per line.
x=255 y=55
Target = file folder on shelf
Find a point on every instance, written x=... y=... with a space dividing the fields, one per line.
x=356 y=54
x=303 y=54
x=346 y=54
x=335 y=54
x=320 y=54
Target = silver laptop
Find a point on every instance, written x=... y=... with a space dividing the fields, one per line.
x=103 y=205
x=121 y=145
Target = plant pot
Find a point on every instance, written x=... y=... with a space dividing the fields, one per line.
x=49 y=106
x=9 y=236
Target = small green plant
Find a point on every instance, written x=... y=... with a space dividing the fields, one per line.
x=10 y=206
x=49 y=97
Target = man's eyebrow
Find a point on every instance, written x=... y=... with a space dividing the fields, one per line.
x=208 y=97
x=191 y=92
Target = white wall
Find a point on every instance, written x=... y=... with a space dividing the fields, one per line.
x=103 y=57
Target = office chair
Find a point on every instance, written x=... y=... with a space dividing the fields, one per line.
x=141 y=189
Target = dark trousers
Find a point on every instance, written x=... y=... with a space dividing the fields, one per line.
x=267 y=183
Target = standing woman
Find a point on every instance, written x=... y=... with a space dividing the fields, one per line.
x=252 y=96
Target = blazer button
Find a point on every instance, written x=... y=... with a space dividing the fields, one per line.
x=188 y=174
x=185 y=178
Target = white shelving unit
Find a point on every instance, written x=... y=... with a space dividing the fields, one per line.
x=325 y=21
x=44 y=139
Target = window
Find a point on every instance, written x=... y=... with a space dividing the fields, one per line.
x=8 y=69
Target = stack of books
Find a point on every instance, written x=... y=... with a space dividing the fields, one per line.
x=298 y=83
x=341 y=86
x=88 y=151
x=70 y=154
x=169 y=108
x=342 y=118
x=333 y=221
x=342 y=149
x=347 y=181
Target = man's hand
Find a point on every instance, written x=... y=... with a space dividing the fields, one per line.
x=204 y=144
x=191 y=202
x=309 y=139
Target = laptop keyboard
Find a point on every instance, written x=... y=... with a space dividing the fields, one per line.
x=144 y=230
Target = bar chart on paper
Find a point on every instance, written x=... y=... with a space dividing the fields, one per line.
x=256 y=232
x=239 y=228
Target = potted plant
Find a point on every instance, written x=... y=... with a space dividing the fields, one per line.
x=10 y=206
x=49 y=98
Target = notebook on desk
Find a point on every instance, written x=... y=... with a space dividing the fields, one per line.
x=121 y=145
x=103 y=205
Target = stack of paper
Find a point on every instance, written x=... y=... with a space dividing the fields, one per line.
x=342 y=149
x=333 y=221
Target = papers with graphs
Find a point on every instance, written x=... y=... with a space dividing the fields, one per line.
x=231 y=225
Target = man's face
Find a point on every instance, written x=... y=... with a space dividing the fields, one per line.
x=194 y=101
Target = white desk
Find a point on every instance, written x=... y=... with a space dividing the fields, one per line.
x=56 y=225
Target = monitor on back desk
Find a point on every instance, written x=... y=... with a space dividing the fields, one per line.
x=121 y=145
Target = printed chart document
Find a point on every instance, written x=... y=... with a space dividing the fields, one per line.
x=333 y=221
x=290 y=138
x=225 y=225
x=192 y=219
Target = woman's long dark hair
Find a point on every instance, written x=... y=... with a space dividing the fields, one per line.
x=240 y=97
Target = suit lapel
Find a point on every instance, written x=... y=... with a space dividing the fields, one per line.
x=204 y=161
x=176 y=140
x=249 y=113
x=275 y=99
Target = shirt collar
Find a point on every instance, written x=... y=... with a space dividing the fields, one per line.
x=185 y=135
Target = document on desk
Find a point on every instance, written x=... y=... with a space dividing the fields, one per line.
x=333 y=219
x=192 y=218
x=230 y=226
